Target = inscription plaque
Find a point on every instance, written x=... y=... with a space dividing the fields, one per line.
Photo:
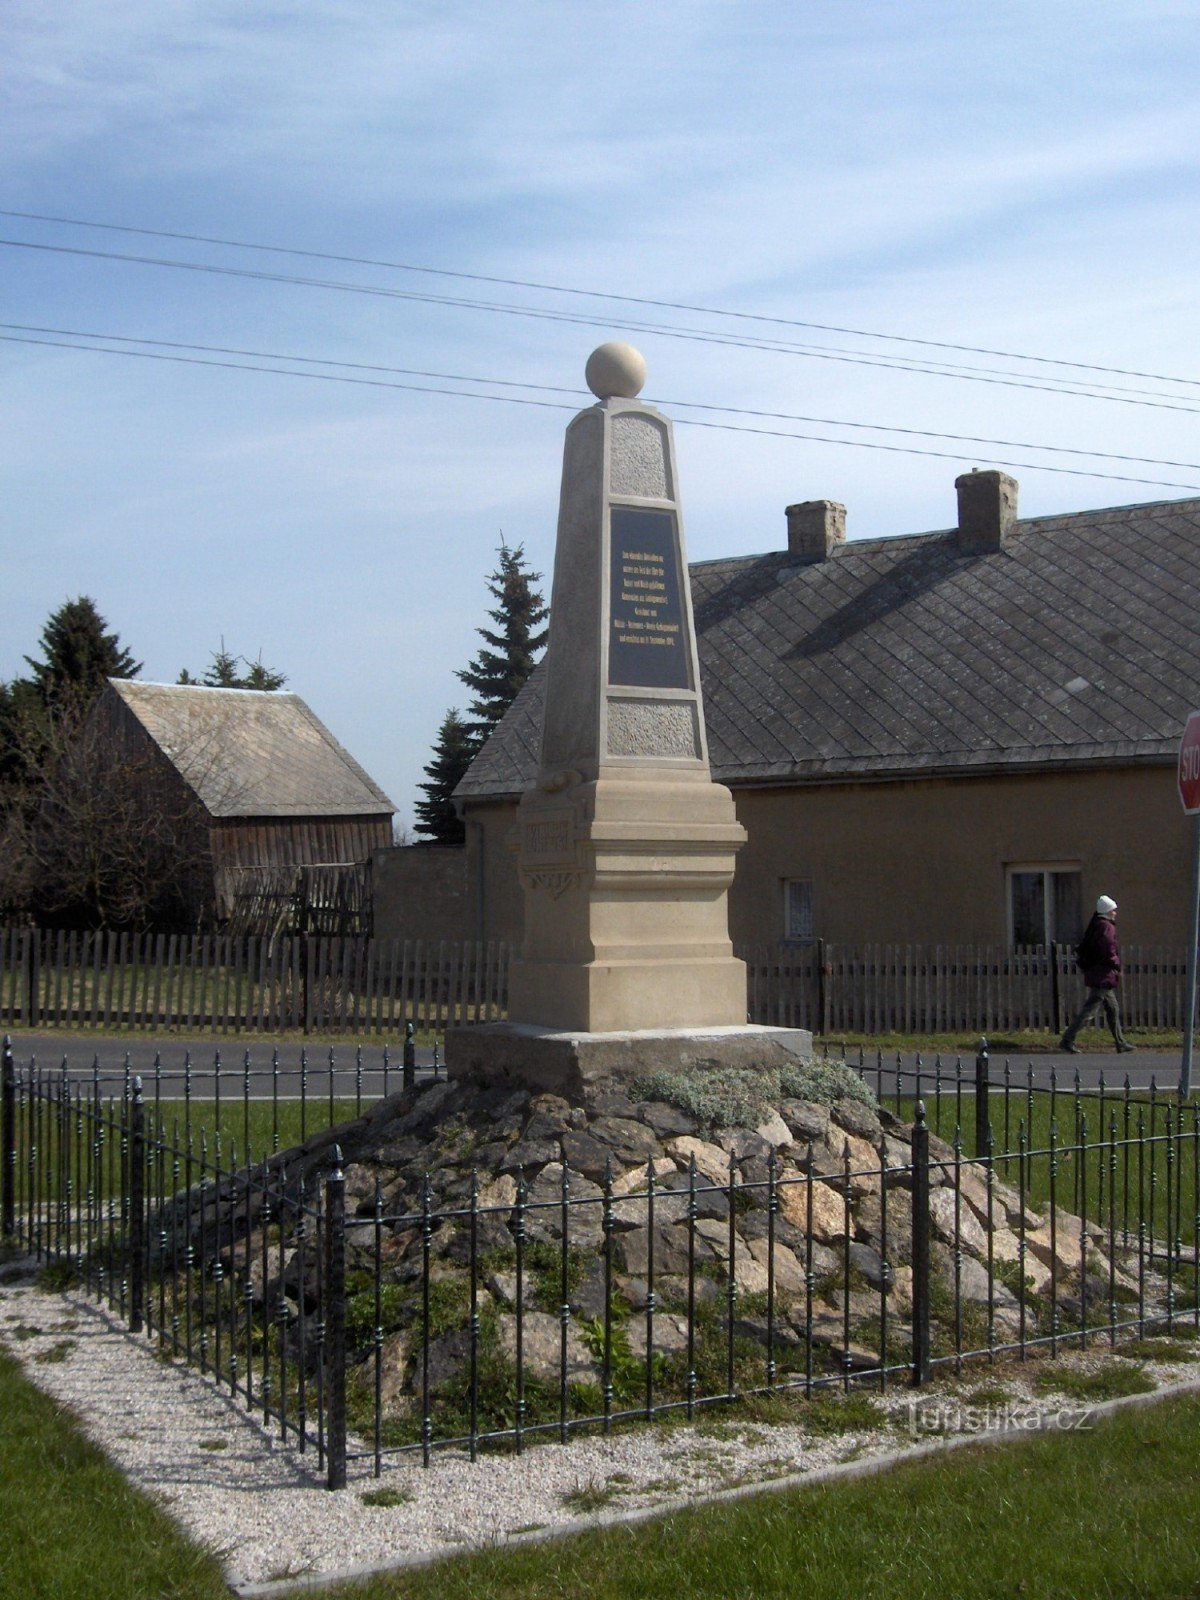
x=647 y=647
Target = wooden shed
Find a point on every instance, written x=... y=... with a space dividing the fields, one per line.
x=261 y=775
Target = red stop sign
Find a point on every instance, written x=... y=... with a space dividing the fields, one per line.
x=1189 y=764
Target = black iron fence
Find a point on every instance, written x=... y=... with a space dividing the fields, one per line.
x=364 y=1323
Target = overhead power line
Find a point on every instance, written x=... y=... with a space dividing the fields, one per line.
x=549 y=388
x=702 y=336
x=599 y=294
x=557 y=405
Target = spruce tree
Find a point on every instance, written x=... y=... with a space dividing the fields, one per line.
x=78 y=653
x=499 y=670
x=227 y=671
x=452 y=755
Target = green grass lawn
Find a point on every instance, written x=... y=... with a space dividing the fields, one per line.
x=73 y=1527
x=1106 y=1513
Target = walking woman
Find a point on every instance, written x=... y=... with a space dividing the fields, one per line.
x=1099 y=959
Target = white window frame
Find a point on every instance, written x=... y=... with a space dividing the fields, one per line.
x=1046 y=868
x=798 y=938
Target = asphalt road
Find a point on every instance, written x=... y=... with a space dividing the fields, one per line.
x=51 y=1049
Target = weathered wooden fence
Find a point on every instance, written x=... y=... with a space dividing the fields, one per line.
x=310 y=983
x=934 y=988
x=319 y=984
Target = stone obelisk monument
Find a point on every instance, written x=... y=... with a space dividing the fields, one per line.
x=626 y=846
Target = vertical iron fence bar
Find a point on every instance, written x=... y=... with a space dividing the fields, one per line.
x=202 y=1262
x=1153 y=1164
x=319 y=1330
x=409 y=1078
x=303 y=1093
x=218 y=1268
x=982 y=1111
x=1112 y=1230
x=1125 y=1163
x=886 y=1279
x=731 y=1283
x=1075 y=1179
x=847 y=1235
x=247 y=1279
x=607 y=1224
x=810 y=1279
x=1141 y=1222
x=275 y=1100
x=1168 y=1128
x=1022 y=1179
x=564 y=1295
x=301 y=1424
x=377 y=1263
x=1007 y=1124
x=920 y=1248
x=772 y=1209
x=246 y=1105
x=175 y=1207
x=474 y=1324
x=691 y=1289
x=1054 y=1324
x=651 y=1301
x=137 y=1208
x=990 y=1180
x=160 y=1161
x=332 y=1097
x=358 y=1081
x=958 y=1251
x=267 y=1216
x=335 y=1322
x=426 y=1237
x=8 y=1139
x=1083 y=1237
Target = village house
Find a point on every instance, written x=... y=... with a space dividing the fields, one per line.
x=958 y=736
x=279 y=807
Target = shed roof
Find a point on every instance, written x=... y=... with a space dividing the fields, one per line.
x=249 y=753
x=908 y=657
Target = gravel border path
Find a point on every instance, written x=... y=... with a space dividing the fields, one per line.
x=263 y=1508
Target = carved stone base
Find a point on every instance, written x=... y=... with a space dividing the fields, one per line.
x=626 y=924
x=570 y=1064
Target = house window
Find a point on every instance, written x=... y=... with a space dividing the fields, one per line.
x=797 y=909
x=1045 y=905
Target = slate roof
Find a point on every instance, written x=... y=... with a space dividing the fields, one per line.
x=906 y=657
x=252 y=754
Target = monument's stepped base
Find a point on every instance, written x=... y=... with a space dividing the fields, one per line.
x=574 y=1064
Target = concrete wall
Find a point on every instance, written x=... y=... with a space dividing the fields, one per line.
x=922 y=861
x=420 y=892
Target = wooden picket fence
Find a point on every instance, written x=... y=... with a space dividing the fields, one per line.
x=935 y=988
x=323 y=984
x=197 y=983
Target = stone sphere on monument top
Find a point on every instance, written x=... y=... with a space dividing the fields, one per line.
x=615 y=371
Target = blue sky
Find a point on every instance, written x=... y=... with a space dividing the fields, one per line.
x=1020 y=177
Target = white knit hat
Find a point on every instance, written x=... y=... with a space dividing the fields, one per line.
x=1105 y=905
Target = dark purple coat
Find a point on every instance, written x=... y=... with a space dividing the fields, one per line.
x=1100 y=954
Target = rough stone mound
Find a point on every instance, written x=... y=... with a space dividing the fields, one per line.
x=839 y=1270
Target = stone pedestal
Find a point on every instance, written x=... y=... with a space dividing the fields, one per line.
x=576 y=1064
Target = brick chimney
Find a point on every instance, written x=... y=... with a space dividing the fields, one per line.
x=815 y=529
x=987 y=510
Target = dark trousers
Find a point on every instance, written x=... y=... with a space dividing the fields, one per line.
x=1098 y=1000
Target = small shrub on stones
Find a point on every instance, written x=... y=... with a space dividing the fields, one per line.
x=725 y=1098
